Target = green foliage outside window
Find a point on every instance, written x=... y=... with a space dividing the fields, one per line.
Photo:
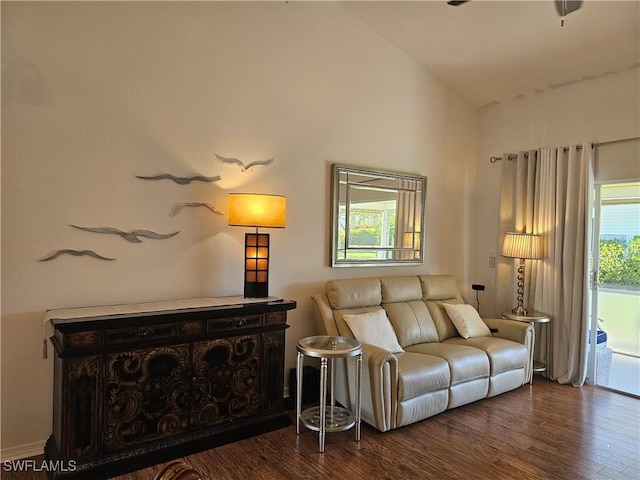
x=620 y=262
x=365 y=228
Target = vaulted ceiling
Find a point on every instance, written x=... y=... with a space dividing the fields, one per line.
x=494 y=51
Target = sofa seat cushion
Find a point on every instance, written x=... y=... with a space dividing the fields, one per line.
x=464 y=362
x=504 y=355
x=420 y=374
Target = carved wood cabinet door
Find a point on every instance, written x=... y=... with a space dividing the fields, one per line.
x=83 y=377
x=226 y=380
x=146 y=395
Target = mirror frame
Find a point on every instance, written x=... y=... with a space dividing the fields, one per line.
x=338 y=191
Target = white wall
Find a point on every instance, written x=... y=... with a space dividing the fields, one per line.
x=94 y=94
x=598 y=110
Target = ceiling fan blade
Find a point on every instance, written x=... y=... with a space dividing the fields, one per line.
x=456 y=3
x=565 y=7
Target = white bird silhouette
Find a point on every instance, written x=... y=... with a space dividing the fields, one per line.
x=245 y=168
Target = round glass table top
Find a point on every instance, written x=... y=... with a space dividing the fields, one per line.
x=325 y=346
x=531 y=316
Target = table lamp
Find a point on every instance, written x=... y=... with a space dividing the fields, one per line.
x=259 y=211
x=522 y=246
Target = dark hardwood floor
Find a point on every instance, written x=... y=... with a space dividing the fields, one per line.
x=544 y=431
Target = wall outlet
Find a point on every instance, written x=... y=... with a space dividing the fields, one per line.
x=492 y=261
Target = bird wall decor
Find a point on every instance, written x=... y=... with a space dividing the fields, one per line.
x=176 y=208
x=243 y=166
x=180 y=180
x=75 y=253
x=131 y=236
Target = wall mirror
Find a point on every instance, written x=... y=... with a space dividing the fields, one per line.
x=377 y=217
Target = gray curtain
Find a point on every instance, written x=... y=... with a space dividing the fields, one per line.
x=548 y=192
x=517 y=206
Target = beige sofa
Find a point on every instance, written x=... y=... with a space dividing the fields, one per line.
x=435 y=369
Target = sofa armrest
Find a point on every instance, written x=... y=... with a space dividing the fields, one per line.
x=380 y=380
x=520 y=332
x=379 y=373
x=379 y=386
x=510 y=329
x=324 y=315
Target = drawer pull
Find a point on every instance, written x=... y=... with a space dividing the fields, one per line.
x=238 y=322
x=141 y=332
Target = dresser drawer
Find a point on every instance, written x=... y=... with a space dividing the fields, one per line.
x=275 y=318
x=80 y=340
x=234 y=323
x=135 y=334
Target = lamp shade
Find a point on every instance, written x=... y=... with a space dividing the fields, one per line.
x=257 y=210
x=522 y=245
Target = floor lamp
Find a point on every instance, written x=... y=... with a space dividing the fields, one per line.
x=525 y=246
x=259 y=211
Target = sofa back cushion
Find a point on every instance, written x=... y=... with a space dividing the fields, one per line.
x=409 y=315
x=400 y=289
x=438 y=287
x=412 y=322
x=413 y=304
x=443 y=323
x=436 y=290
x=354 y=293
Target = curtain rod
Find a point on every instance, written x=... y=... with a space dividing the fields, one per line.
x=630 y=139
x=513 y=156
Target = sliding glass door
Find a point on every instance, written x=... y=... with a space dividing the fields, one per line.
x=614 y=347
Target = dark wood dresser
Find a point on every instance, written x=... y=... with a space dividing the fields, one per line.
x=136 y=385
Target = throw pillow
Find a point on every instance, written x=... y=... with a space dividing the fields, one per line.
x=466 y=320
x=374 y=328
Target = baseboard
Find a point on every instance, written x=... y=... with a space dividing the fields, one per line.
x=22 y=451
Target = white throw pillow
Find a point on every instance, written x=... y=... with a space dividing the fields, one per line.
x=466 y=320
x=374 y=328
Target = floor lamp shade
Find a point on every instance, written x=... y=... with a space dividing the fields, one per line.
x=524 y=246
x=257 y=210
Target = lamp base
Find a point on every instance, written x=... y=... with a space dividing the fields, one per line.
x=256 y=290
x=520 y=310
x=256 y=265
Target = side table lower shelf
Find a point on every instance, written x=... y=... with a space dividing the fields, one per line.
x=539 y=367
x=337 y=419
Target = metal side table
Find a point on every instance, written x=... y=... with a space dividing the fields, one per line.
x=532 y=318
x=330 y=418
